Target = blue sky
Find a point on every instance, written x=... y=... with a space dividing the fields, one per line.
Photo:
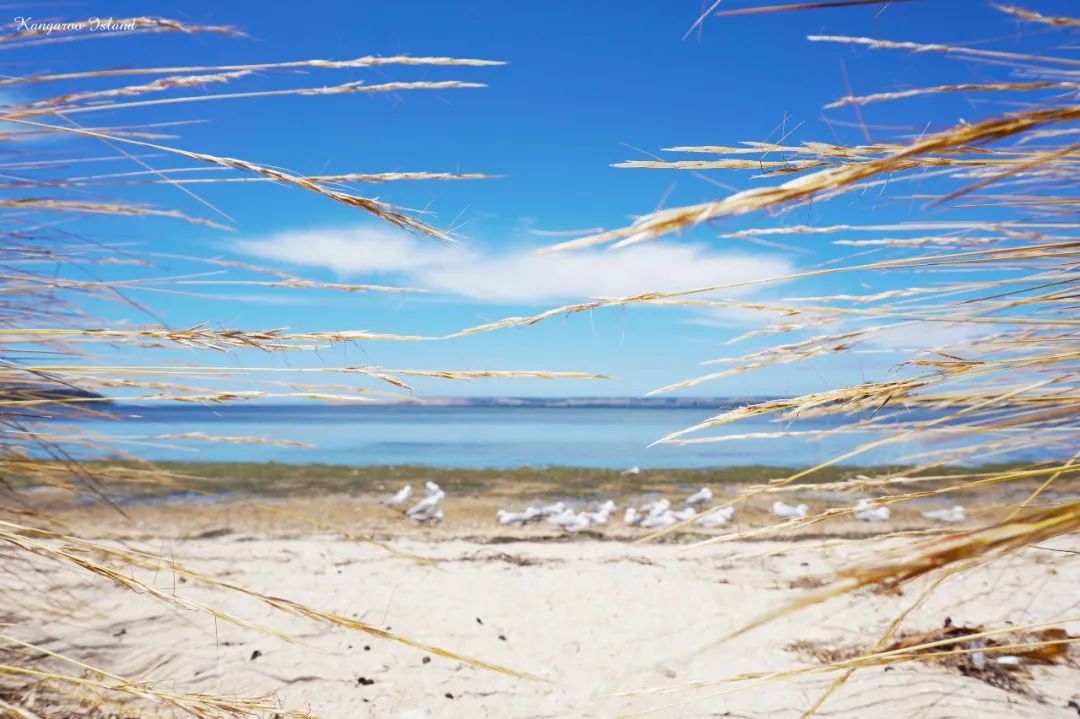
x=586 y=85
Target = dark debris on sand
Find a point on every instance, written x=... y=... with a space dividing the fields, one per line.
x=1052 y=647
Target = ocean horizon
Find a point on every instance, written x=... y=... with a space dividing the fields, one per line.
x=489 y=432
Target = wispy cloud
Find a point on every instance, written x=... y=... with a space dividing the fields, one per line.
x=911 y=337
x=515 y=276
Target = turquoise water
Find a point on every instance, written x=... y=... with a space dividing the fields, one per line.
x=471 y=436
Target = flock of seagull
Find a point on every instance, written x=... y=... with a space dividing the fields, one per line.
x=654 y=515
x=867 y=511
x=427 y=510
x=560 y=515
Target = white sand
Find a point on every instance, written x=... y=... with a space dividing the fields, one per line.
x=593 y=617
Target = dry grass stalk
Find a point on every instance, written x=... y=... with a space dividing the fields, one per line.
x=829 y=182
x=963 y=87
x=826 y=4
x=55 y=205
x=364 y=177
x=375 y=207
x=367 y=61
x=348 y=88
x=1030 y=16
x=946 y=49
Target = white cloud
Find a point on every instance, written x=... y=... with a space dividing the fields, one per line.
x=350 y=251
x=513 y=276
x=918 y=336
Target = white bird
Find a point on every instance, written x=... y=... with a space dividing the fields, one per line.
x=570 y=520
x=532 y=513
x=632 y=517
x=433 y=518
x=656 y=508
x=949 y=516
x=596 y=517
x=633 y=470
x=602 y=513
x=426 y=505
x=515 y=518
x=684 y=514
x=577 y=523
x=567 y=516
x=607 y=506
x=787 y=511
x=709 y=520
x=552 y=510
x=518 y=518
x=701 y=496
x=400 y=498
x=866 y=511
x=432 y=488
x=659 y=521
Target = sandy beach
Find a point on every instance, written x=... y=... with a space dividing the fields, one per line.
x=593 y=616
x=506 y=360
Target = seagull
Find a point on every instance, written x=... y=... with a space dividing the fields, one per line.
x=632 y=517
x=949 y=516
x=432 y=488
x=684 y=514
x=577 y=523
x=607 y=506
x=633 y=470
x=597 y=517
x=701 y=496
x=603 y=511
x=515 y=518
x=552 y=510
x=865 y=511
x=656 y=508
x=787 y=511
x=426 y=505
x=567 y=516
x=433 y=518
x=519 y=518
x=532 y=513
x=400 y=498
x=663 y=520
x=709 y=520
x=570 y=520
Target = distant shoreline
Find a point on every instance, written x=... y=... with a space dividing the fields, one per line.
x=484 y=402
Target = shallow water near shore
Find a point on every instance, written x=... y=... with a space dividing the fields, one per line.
x=484 y=436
